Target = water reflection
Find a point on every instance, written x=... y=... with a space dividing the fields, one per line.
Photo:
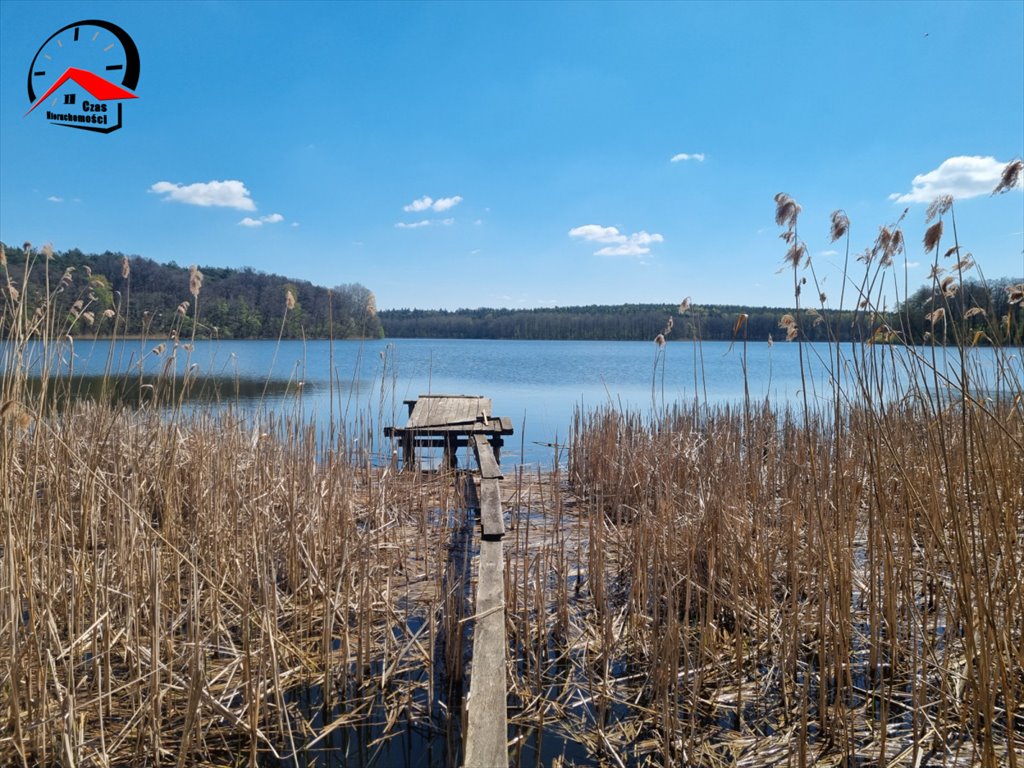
x=361 y=385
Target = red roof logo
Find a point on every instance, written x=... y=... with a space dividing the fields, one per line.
x=98 y=88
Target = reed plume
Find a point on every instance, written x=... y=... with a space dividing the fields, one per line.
x=195 y=280
x=786 y=210
x=932 y=236
x=840 y=225
x=1011 y=177
x=939 y=207
x=796 y=253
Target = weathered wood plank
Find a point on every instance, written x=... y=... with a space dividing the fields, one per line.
x=485 y=458
x=432 y=411
x=493 y=427
x=491 y=518
x=487 y=716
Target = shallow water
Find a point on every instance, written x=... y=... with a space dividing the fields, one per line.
x=537 y=384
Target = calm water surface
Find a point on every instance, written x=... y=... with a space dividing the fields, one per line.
x=535 y=383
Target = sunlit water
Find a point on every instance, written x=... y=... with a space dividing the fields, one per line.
x=537 y=384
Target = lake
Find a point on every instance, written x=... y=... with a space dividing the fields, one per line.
x=535 y=383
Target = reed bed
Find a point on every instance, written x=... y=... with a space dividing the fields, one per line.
x=865 y=607
x=838 y=581
x=168 y=583
x=186 y=586
x=834 y=582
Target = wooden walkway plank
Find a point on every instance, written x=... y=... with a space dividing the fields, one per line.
x=487 y=716
x=485 y=458
x=455 y=421
x=491 y=517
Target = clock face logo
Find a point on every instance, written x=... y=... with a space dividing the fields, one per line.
x=83 y=74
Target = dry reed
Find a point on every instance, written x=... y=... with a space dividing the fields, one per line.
x=835 y=584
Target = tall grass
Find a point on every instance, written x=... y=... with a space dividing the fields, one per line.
x=835 y=583
x=172 y=576
x=838 y=582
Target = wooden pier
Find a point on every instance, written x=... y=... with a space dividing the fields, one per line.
x=450 y=421
x=456 y=421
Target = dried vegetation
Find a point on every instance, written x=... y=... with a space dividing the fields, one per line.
x=836 y=583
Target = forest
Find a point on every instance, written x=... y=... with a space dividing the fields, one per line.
x=148 y=298
x=979 y=313
x=153 y=299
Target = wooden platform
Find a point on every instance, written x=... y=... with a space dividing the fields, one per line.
x=450 y=421
x=456 y=421
x=487 y=704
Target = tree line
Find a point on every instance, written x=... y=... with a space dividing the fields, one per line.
x=89 y=292
x=975 y=312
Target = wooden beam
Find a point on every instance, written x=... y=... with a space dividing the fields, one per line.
x=487 y=715
x=485 y=458
x=491 y=519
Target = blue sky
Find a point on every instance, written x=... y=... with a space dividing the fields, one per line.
x=522 y=155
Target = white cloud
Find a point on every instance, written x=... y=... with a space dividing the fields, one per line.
x=635 y=245
x=424 y=223
x=445 y=203
x=617 y=244
x=427 y=203
x=222 y=194
x=598 y=234
x=962 y=177
x=416 y=206
x=55 y=199
x=273 y=218
x=683 y=156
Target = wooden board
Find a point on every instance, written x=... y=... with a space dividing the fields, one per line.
x=489 y=468
x=491 y=518
x=486 y=712
x=448 y=410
